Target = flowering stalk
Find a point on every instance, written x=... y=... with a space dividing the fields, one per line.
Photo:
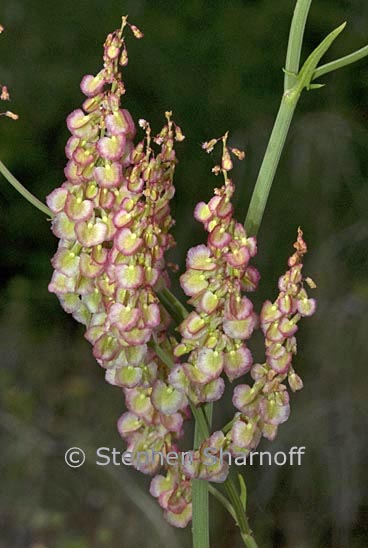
x=214 y=339
x=112 y=217
x=295 y=83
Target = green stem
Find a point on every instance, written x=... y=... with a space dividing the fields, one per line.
x=200 y=520
x=177 y=311
x=200 y=489
x=222 y=500
x=249 y=541
x=162 y=354
x=270 y=162
x=241 y=517
x=228 y=426
x=24 y=192
x=235 y=506
x=340 y=63
x=289 y=101
x=295 y=42
x=283 y=120
x=201 y=420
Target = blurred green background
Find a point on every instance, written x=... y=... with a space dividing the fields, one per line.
x=217 y=65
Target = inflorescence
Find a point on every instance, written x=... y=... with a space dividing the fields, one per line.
x=112 y=217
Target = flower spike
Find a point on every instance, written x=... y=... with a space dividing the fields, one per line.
x=112 y=217
x=217 y=275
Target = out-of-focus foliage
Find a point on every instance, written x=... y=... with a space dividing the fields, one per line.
x=218 y=66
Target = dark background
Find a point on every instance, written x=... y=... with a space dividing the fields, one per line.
x=217 y=65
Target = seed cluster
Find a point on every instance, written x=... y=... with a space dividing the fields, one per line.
x=112 y=218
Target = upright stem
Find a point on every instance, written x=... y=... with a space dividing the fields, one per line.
x=249 y=541
x=296 y=41
x=269 y=165
x=200 y=520
x=283 y=120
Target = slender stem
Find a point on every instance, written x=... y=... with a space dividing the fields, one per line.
x=200 y=520
x=270 y=163
x=177 y=311
x=200 y=419
x=241 y=517
x=24 y=192
x=162 y=354
x=222 y=500
x=239 y=510
x=228 y=426
x=340 y=63
x=280 y=130
x=203 y=419
x=295 y=42
x=243 y=492
x=249 y=541
x=200 y=489
x=202 y=414
x=283 y=120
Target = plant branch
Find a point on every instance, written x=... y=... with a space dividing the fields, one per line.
x=24 y=192
x=241 y=517
x=305 y=77
x=162 y=354
x=281 y=127
x=340 y=63
x=222 y=500
x=177 y=311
